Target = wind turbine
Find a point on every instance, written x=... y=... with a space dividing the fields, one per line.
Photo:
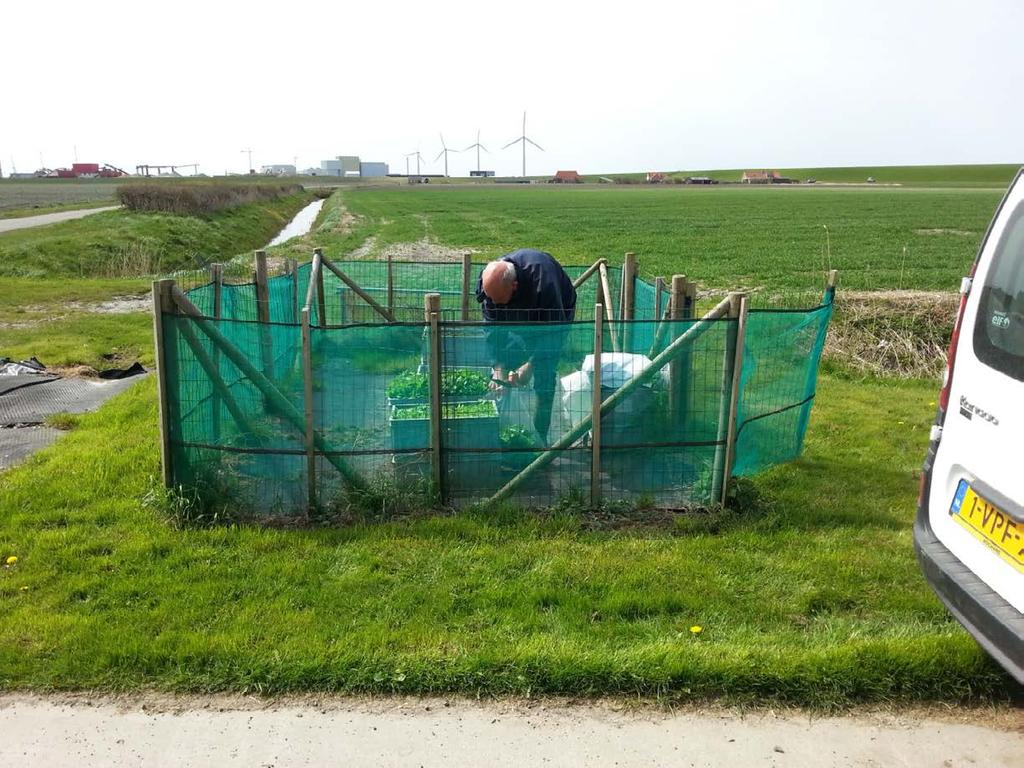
x=478 y=146
x=418 y=157
x=524 y=139
x=444 y=151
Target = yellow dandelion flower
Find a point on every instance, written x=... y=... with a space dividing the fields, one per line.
x=696 y=629
x=12 y=559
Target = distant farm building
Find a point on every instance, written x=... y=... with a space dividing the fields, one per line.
x=764 y=177
x=700 y=180
x=481 y=174
x=655 y=177
x=567 y=177
x=278 y=170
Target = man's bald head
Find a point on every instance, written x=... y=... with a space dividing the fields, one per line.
x=499 y=281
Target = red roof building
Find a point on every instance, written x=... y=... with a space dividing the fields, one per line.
x=567 y=177
x=759 y=177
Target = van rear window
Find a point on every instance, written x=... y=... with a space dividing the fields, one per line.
x=999 y=328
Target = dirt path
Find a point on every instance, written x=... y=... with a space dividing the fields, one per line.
x=51 y=731
x=9 y=225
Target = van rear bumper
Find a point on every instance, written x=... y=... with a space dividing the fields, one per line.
x=995 y=624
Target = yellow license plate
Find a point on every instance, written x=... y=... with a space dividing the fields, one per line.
x=989 y=524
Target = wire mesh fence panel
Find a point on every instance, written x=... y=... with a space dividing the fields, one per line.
x=665 y=442
x=502 y=410
x=517 y=401
x=227 y=440
x=369 y=391
x=284 y=299
x=780 y=367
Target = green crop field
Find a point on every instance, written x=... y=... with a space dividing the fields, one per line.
x=806 y=591
x=722 y=237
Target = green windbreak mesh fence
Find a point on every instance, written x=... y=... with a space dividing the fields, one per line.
x=780 y=367
x=409 y=283
x=237 y=407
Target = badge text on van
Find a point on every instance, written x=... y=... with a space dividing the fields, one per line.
x=969 y=411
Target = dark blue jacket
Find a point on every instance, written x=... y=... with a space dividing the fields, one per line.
x=544 y=292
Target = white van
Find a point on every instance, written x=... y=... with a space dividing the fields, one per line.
x=969 y=532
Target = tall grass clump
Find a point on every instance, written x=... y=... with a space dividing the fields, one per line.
x=199 y=199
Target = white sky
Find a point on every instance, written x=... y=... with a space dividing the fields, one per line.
x=624 y=86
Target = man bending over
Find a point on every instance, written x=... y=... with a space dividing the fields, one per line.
x=527 y=286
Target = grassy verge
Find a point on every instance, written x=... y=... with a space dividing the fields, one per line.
x=127 y=244
x=56 y=321
x=811 y=596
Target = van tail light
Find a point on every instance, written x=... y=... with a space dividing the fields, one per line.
x=947 y=382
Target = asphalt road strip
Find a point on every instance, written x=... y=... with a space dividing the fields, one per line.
x=43 y=219
x=234 y=731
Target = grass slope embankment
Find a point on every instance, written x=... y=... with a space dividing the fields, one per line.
x=46 y=311
x=721 y=237
x=128 y=244
x=812 y=596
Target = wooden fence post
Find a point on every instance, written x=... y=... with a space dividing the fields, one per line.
x=162 y=302
x=467 y=284
x=595 y=412
x=688 y=312
x=725 y=399
x=431 y=311
x=737 y=370
x=262 y=289
x=608 y=309
x=629 y=269
x=310 y=434
x=391 y=284
x=321 y=302
x=293 y=272
x=217 y=278
x=659 y=288
x=263 y=314
x=676 y=370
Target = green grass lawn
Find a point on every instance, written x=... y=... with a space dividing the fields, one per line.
x=721 y=237
x=812 y=595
